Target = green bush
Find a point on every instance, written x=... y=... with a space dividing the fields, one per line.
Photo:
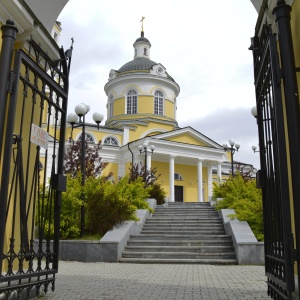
x=158 y=193
x=242 y=196
x=70 y=211
x=106 y=205
x=111 y=204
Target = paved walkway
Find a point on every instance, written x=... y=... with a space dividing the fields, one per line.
x=114 y=281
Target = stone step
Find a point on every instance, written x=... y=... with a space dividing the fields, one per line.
x=172 y=236
x=184 y=232
x=183 y=225
x=182 y=212
x=176 y=219
x=198 y=249
x=179 y=243
x=207 y=261
x=184 y=220
x=179 y=255
x=181 y=233
x=183 y=204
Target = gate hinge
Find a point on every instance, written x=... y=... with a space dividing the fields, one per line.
x=11 y=81
x=294 y=255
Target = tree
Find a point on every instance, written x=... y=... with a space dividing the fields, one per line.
x=93 y=162
x=136 y=171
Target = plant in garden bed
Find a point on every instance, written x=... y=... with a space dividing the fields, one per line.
x=241 y=194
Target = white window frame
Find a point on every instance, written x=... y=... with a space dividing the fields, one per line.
x=88 y=137
x=158 y=103
x=177 y=176
x=132 y=99
x=111 y=140
x=110 y=106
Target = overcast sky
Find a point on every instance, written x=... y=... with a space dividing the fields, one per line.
x=202 y=44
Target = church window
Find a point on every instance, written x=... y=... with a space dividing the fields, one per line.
x=158 y=103
x=111 y=141
x=177 y=176
x=111 y=106
x=88 y=137
x=132 y=102
x=145 y=51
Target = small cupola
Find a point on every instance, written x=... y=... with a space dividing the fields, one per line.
x=142 y=47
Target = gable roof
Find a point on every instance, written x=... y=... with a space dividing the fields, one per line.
x=187 y=135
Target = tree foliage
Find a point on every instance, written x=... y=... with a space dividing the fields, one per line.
x=73 y=157
x=107 y=204
x=241 y=194
x=110 y=204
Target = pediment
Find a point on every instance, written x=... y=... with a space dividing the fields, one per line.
x=188 y=135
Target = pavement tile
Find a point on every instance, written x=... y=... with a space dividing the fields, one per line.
x=115 y=281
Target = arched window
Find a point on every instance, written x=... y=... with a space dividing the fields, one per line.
x=111 y=141
x=88 y=137
x=111 y=106
x=132 y=102
x=158 y=103
x=177 y=176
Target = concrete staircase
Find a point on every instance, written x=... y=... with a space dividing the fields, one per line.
x=181 y=233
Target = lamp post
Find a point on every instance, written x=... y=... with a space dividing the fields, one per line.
x=254 y=149
x=232 y=148
x=144 y=149
x=80 y=111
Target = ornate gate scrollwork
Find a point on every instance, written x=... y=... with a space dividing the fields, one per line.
x=273 y=176
x=32 y=147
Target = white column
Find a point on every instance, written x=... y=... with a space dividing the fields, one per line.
x=121 y=169
x=171 y=165
x=200 y=178
x=219 y=172
x=125 y=136
x=209 y=181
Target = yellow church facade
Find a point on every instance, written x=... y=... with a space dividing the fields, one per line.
x=141 y=108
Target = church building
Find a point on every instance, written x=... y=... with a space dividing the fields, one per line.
x=141 y=128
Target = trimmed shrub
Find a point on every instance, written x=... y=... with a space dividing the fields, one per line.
x=242 y=196
x=158 y=193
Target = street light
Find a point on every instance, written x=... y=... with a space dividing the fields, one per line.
x=144 y=149
x=80 y=111
x=254 y=149
x=232 y=148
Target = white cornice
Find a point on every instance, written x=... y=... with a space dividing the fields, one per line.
x=134 y=77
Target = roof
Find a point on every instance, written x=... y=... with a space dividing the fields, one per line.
x=139 y=63
x=142 y=39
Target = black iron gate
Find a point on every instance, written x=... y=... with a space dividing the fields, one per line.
x=32 y=146
x=273 y=176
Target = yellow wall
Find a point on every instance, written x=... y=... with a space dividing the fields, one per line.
x=187 y=139
x=169 y=109
x=164 y=179
x=145 y=105
x=119 y=107
x=189 y=182
x=139 y=131
x=113 y=168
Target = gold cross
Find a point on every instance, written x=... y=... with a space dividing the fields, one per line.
x=142 y=23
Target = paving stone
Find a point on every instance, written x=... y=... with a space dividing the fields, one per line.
x=115 y=281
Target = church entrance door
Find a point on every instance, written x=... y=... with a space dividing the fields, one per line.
x=178 y=193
